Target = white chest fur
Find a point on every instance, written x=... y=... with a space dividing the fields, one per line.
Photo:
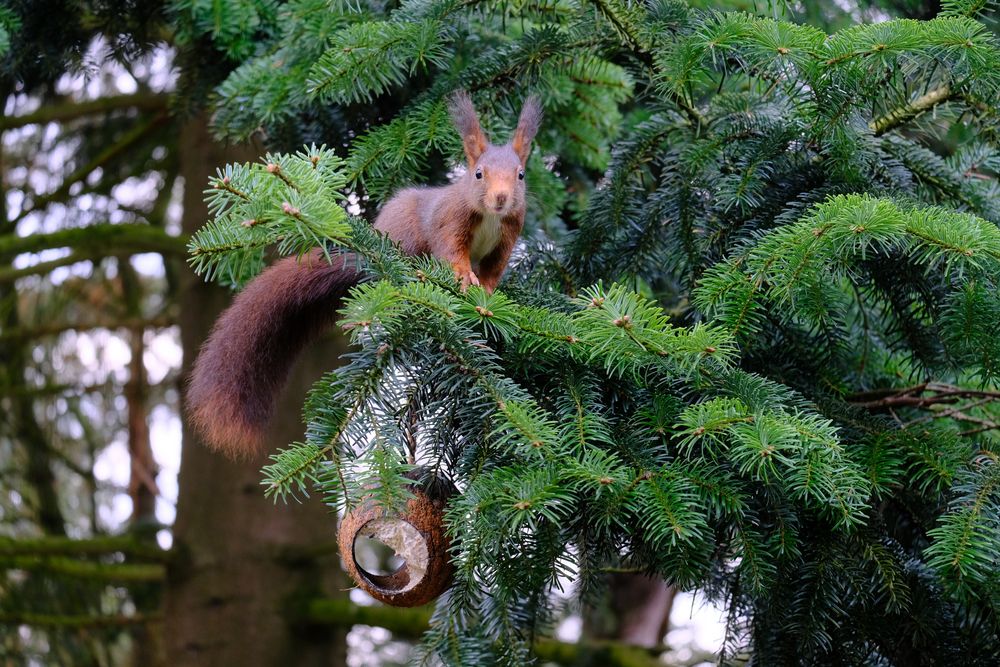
x=485 y=237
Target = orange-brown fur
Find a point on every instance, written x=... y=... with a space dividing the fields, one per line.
x=248 y=354
x=250 y=350
x=443 y=221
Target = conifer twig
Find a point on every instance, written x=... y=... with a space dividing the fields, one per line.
x=79 y=621
x=907 y=112
x=643 y=55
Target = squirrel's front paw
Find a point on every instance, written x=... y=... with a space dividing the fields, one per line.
x=469 y=278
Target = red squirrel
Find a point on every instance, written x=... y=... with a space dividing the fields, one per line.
x=472 y=224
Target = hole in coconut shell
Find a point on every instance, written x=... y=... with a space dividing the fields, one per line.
x=407 y=565
x=376 y=558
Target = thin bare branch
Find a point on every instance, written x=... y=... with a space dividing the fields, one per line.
x=65 y=110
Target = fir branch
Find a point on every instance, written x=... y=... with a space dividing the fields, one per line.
x=68 y=621
x=964 y=7
x=908 y=112
x=412 y=623
x=965 y=539
x=280 y=477
x=56 y=328
x=109 y=238
x=63 y=546
x=8 y=275
x=119 y=572
x=66 y=110
x=641 y=52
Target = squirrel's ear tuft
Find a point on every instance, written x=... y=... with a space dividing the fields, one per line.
x=527 y=127
x=465 y=118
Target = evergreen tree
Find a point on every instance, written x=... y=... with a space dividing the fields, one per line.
x=748 y=345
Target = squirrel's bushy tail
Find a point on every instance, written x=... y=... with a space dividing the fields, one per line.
x=246 y=358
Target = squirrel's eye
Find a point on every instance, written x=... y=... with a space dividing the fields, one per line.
x=520 y=174
x=479 y=173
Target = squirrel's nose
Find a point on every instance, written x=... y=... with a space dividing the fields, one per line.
x=501 y=199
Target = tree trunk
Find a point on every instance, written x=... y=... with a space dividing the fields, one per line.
x=234 y=575
x=636 y=611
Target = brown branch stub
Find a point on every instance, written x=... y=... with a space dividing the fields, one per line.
x=873 y=394
x=915 y=396
x=928 y=396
